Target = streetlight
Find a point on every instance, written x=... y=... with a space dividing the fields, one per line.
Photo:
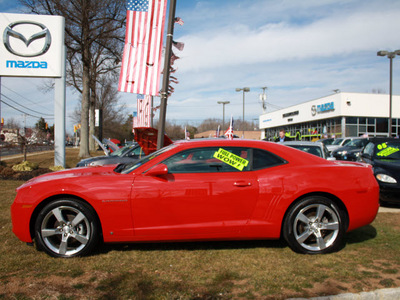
x=390 y=55
x=245 y=89
x=223 y=111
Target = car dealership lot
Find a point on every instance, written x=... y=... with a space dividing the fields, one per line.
x=201 y=270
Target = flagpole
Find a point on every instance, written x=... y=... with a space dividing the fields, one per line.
x=167 y=63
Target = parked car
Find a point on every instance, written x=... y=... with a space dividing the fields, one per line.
x=199 y=190
x=125 y=154
x=384 y=156
x=338 y=142
x=315 y=148
x=351 y=151
x=326 y=141
x=132 y=152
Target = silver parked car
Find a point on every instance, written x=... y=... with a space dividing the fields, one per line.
x=315 y=148
x=339 y=142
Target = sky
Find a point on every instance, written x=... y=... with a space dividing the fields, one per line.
x=299 y=50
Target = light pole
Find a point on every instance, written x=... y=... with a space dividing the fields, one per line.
x=390 y=55
x=245 y=89
x=223 y=112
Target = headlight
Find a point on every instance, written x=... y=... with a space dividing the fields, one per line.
x=385 y=178
x=342 y=152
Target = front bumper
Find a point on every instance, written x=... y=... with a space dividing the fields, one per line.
x=389 y=194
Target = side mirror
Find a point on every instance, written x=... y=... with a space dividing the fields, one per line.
x=158 y=170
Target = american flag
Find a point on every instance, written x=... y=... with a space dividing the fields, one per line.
x=217 y=132
x=229 y=132
x=187 y=134
x=179 y=21
x=141 y=60
x=144 y=110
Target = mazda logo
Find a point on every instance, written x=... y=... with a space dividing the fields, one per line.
x=313 y=110
x=44 y=33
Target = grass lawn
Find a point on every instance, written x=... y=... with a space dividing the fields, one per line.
x=208 y=270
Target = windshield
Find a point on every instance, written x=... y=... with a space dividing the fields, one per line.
x=327 y=141
x=125 y=169
x=388 y=150
x=357 y=143
x=337 y=142
x=121 y=151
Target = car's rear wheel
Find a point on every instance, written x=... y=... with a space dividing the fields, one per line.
x=66 y=228
x=315 y=225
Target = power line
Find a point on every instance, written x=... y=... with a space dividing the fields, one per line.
x=2 y=101
x=38 y=112
x=23 y=97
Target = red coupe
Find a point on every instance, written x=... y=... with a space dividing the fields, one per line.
x=199 y=190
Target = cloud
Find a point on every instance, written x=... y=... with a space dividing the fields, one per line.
x=271 y=42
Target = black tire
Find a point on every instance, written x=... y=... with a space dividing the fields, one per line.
x=66 y=228
x=314 y=225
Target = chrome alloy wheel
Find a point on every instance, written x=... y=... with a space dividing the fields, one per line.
x=65 y=230
x=316 y=227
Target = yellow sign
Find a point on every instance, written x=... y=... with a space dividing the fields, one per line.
x=231 y=159
x=387 y=151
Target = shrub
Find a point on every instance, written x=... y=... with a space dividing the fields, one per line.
x=25 y=166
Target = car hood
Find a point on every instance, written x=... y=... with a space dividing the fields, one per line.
x=347 y=148
x=71 y=173
x=147 y=139
x=100 y=145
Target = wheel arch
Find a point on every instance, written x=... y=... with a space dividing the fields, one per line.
x=48 y=200
x=331 y=197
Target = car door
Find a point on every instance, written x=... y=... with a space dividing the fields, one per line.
x=202 y=196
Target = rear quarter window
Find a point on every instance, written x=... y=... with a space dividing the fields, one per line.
x=263 y=159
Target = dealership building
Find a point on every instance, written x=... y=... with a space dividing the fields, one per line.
x=337 y=115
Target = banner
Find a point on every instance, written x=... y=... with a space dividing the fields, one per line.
x=141 y=60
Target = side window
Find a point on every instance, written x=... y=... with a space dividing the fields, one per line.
x=369 y=149
x=212 y=159
x=263 y=159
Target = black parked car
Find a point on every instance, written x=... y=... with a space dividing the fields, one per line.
x=351 y=151
x=125 y=154
x=384 y=155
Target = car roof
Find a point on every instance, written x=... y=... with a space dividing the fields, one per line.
x=383 y=139
x=303 y=143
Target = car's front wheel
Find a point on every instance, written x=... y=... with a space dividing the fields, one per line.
x=66 y=228
x=315 y=225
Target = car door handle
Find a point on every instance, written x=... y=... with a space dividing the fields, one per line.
x=242 y=183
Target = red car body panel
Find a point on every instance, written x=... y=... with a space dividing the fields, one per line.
x=202 y=206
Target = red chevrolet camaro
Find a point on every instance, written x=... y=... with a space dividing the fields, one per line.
x=199 y=190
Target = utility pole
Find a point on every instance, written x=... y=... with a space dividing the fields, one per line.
x=167 y=64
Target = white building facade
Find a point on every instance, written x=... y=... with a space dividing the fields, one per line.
x=337 y=115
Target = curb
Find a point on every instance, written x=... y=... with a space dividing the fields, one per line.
x=382 y=294
x=13 y=156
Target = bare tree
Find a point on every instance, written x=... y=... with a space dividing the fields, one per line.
x=90 y=25
x=114 y=115
x=11 y=123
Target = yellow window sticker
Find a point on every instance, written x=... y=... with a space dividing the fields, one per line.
x=382 y=146
x=387 y=151
x=231 y=159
